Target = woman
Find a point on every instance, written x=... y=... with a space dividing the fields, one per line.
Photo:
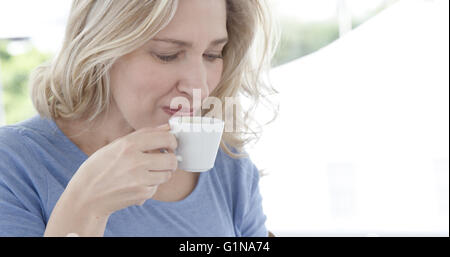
x=92 y=164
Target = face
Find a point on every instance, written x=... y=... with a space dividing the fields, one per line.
x=185 y=55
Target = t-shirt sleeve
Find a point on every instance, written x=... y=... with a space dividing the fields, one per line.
x=15 y=219
x=20 y=206
x=253 y=217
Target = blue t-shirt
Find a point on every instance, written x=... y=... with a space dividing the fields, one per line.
x=37 y=162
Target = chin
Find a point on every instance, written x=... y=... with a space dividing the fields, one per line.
x=152 y=122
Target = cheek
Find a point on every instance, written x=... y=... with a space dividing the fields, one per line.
x=138 y=82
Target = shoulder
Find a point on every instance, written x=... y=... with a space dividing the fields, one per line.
x=22 y=187
x=239 y=172
x=19 y=145
x=15 y=138
x=12 y=140
x=22 y=169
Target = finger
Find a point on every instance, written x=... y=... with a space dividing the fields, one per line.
x=150 y=140
x=179 y=157
x=155 y=178
x=164 y=127
x=157 y=161
x=162 y=150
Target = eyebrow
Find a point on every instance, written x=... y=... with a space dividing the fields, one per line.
x=189 y=44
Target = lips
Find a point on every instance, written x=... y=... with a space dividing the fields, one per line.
x=178 y=112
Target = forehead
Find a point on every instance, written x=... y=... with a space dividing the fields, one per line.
x=197 y=20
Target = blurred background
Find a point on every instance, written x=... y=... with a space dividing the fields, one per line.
x=361 y=144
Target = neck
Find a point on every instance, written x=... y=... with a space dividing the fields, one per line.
x=91 y=136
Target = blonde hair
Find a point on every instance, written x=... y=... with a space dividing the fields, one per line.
x=75 y=85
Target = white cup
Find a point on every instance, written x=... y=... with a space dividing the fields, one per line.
x=198 y=141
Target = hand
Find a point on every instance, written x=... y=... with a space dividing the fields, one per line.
x=126 y=172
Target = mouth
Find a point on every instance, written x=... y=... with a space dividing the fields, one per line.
x=180 y=111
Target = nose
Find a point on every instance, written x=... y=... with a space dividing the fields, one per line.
x=193 y=76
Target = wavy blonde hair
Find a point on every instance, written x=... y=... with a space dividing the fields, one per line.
x=75 y=84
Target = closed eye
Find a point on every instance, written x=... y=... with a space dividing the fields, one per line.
x=167 y=58
x=173 y=57
x=213 y=57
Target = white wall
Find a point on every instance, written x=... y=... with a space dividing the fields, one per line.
x=362 y=142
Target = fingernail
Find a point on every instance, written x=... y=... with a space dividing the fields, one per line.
x=179 y=158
